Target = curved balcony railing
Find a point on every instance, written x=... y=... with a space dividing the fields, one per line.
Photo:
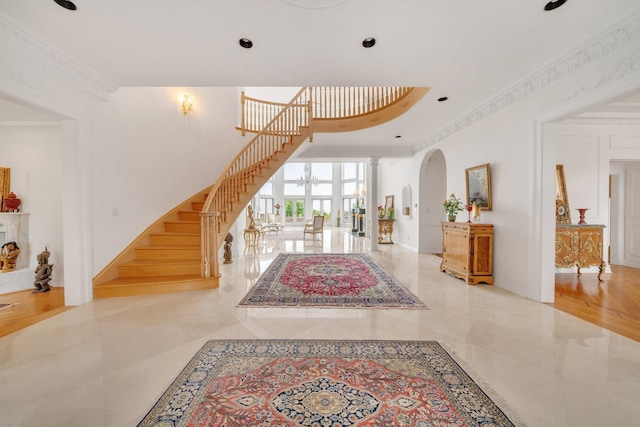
x=338 y=102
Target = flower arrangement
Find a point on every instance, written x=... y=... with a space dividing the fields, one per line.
x=452 y=205
x=277 y=208
x=380 y=212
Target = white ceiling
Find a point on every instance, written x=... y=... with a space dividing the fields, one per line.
x=466 y=50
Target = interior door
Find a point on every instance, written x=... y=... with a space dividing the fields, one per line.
x=632 y=217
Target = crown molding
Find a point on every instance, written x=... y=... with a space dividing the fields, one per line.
x=621 y=35
x=30 y=48
x=30 y=127
x=602 y=121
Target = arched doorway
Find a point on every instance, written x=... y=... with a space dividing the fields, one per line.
x=432 y=189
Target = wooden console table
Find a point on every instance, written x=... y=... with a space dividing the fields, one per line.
x=467 y=251
x=385 y=230
x=580 y=245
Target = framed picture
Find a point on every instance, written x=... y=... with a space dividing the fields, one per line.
x=562 y=199
x=479 y=186
x=388 y=206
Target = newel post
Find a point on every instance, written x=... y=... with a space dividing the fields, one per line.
x=209 y=244
x=310 y=113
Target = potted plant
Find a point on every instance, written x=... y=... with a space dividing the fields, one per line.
x=390 y=213
x=380 y=212
x=452 y=206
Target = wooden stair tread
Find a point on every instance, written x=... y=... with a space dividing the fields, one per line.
x=128 y=281
x=142 y=262
x=173 y=233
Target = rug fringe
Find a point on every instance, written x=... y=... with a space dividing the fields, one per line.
x=509 y=411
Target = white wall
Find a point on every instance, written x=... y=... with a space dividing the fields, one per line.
x=33 y=151
x=147 y=157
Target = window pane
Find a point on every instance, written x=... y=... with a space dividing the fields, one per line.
x=348 y=171
x=293 y=171
x=348 y=188
x=293 y=190
x=322 y=189
x=324 y=171
x=267 y=189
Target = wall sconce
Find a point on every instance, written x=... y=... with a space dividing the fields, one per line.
x=187 y=103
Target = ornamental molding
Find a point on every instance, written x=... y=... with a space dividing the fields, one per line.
x=30 y=127
x=619 y=36
x=30 y=48
x=602 y=121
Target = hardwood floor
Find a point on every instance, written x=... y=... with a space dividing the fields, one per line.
x=613 y=304
x=29 y=308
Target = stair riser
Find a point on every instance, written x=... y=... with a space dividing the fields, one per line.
x=182 y=227
x=154 y=288
x=189 y=216
x=158 y=270
x=191 y=254
x=197 y=206
x=175 y=240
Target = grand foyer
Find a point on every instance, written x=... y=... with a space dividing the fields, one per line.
x=180 y=251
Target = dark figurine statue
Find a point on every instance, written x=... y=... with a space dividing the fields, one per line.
x=43 y=272
x=227 y=249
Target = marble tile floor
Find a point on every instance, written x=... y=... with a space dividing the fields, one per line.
x=106 y=363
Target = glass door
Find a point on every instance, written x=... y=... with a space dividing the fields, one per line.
x=294 y=212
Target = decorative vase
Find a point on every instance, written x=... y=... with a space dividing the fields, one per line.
x=452 y=218
x=582 y=211
x=11 y=203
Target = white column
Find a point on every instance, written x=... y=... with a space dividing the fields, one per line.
x=372 y=205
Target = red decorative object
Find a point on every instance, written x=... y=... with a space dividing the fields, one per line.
x=582 y=212
x=469 y=209
x=11 y=203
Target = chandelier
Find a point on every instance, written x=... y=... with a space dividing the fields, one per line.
x=307 y=178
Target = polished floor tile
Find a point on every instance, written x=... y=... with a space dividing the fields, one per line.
x=106 y=363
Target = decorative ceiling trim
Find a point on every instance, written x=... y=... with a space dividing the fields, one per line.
x=602 y=121
x=616 y=37
x=30 y=48
x=30 y=127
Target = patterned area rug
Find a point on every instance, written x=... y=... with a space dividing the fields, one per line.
x=328 y=280
x=325 y=384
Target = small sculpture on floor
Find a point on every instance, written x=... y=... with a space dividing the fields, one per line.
x=9 y=256
x=227 y=249
x=43 y=272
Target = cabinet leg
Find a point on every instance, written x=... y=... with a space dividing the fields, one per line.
x=600 y=272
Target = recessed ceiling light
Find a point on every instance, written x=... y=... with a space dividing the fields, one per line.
x=444 y=98
x=554 y=4
x=66 y=4
x=368 y=42
x=246 y=43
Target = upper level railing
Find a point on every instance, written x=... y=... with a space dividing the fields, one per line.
x=326 y=103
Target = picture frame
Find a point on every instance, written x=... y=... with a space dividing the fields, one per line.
x=478 y=183
x=388 y=205
x=563 y=215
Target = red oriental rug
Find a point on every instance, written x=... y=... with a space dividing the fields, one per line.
x=271 y=383
x=328 y=280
